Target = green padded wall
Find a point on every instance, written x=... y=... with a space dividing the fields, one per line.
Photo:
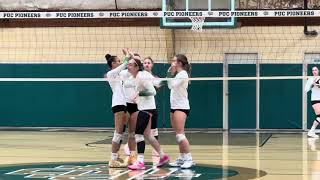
x=242 y=97
x=55 y=104
x=281 y=100
x=88 y=104
x=206 y=97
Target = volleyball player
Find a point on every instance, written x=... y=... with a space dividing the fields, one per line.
x=180 y=108
x=313 y=85
x=148 y=66
x=118 y=106
x=144 y=97
x=132 y=109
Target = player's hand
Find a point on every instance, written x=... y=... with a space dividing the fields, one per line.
x=125 y=51
x=135 y=97
x=173 y=68
x=130 y=52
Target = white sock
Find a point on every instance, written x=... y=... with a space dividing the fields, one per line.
x=313 y=128
x=186 y=156
x=140 y=158
x=114 y=156
x=181 y=156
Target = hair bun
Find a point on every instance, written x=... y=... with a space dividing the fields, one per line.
x=107 y=56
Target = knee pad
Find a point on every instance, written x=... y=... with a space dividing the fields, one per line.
x=131 y=135
x=116 y=137
x=180 y=137
x=154 y=132
x=142 y=122
x=139 y=138
x=154 y=118
x=318 y=119
x=150 y=138
x=143 y=116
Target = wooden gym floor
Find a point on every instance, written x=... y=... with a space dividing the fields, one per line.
x=267 y=156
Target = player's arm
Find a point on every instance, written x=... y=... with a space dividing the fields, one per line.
x=148 y=86
x=309 y=85
x=170 y=74
x=123 y=66
x=178 y=80
x=145 y=82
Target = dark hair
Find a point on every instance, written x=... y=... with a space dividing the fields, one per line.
x=185 y=64
x=136 y=54
x=138 y=63
x=110 y=59
x=149 y=58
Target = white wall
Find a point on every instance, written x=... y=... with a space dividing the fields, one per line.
x=77 y=4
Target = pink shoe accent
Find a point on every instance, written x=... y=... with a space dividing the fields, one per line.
x=164 y=160
x=137 y=166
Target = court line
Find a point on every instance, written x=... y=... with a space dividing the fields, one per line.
x=15 y=171
x=133 y=177
x=172 y=170
x=265 y=141
x=125 y=172
x=154 y=171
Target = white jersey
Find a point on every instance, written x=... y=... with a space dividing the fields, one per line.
x=179 y=91
x=145 y=102
x=315 y=95
x=129 y=86
x=116 y=86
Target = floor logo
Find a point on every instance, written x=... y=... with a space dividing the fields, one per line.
x=95 y=171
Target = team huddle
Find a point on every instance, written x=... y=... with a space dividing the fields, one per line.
x=134 y=88
x=133 y=103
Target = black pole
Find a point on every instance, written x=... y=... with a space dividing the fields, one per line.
x=313 y=33
x=116 y=4
x=305 y=4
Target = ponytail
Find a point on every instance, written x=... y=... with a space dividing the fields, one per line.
x=188 y=68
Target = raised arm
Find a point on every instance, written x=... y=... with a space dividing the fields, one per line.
x=114 y=72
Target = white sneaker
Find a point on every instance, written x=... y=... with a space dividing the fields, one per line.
x=179 y=161
x=187 y=164
x=312 y=134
